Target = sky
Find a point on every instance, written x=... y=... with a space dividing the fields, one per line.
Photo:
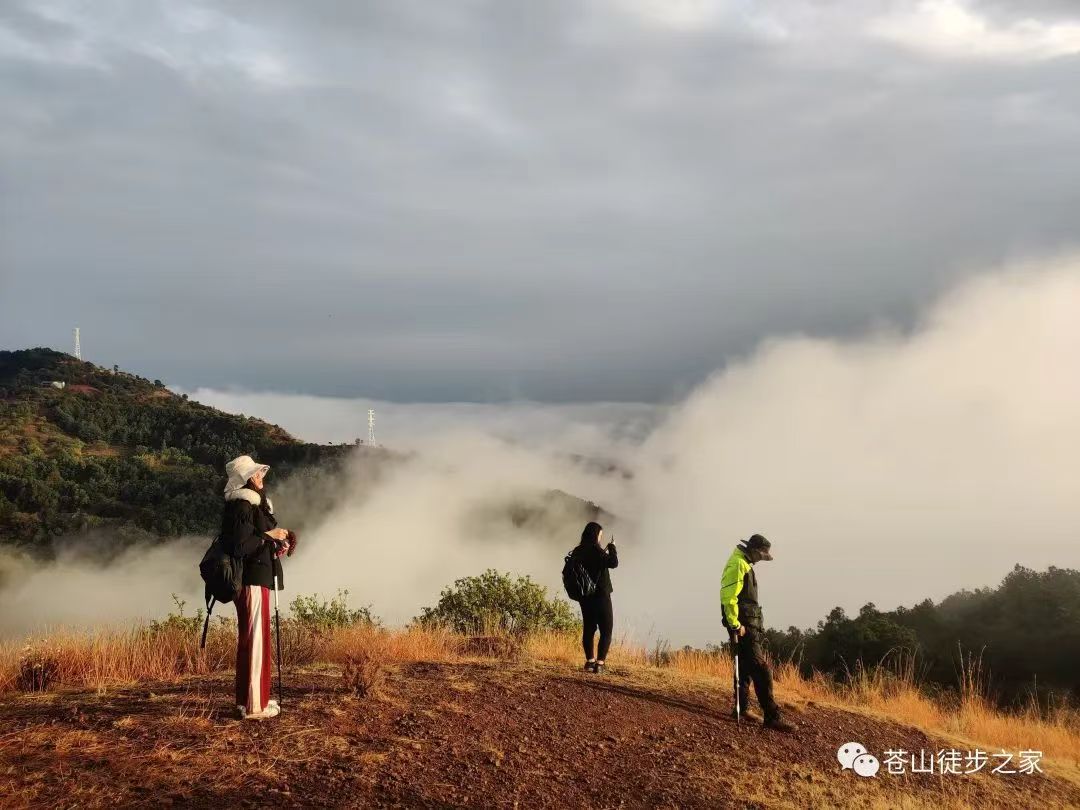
x=480 y=202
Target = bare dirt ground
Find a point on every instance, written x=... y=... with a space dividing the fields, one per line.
x=478 y=734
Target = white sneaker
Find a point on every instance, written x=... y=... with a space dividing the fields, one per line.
x=271 y=710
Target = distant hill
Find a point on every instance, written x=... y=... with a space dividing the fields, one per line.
x=83 y=446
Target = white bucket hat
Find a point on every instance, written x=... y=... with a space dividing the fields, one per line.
x=240 y=470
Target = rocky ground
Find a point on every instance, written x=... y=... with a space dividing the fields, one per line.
x=475 y=734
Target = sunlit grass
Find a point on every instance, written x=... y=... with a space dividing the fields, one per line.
x=170 y=651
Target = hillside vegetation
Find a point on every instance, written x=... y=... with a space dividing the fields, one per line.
x=111 y=449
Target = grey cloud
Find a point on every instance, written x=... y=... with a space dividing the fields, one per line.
x=557 y=201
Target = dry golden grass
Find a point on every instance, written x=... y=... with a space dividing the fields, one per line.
x=894 y=693
x=97 y=660
x=565 y=648
x=100 y=659
x=412 y=644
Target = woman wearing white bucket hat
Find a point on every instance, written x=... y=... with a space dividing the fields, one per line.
x=250 y=532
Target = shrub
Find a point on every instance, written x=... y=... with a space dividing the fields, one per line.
x=314 y=614
x=495 y=602
x=178 y=622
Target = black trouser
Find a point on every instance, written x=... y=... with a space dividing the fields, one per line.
x=596 y=613
x=754 y=666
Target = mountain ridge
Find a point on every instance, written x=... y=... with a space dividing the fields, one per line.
x=85 y=447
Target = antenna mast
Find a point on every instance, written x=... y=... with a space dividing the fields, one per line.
x=371 y=426
x=78 y=349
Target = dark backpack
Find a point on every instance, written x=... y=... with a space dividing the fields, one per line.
x=576 y=579
x=223 y=575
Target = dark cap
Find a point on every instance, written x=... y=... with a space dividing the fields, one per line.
x=759 y=544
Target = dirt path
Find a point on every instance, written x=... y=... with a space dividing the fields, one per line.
x=481 y=734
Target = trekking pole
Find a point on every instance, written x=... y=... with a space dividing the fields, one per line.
x=735 y=675
x=277 y=632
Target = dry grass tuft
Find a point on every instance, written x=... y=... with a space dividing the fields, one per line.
x=38 y=669
x=363 y=674
x=365 y=655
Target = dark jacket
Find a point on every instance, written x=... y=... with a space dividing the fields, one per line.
x=243 y=528
x=598 y=563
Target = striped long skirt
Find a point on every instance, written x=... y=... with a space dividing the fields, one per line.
x=253 y=648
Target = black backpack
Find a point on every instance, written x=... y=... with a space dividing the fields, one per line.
x=576 y=579
x=223 y=575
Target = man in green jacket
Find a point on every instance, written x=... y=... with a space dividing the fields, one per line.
x=742 y=618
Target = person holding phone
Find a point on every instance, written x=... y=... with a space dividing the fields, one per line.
x=596 y=612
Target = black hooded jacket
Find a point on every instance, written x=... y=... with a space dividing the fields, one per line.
x=244 y=522
x=598 y=562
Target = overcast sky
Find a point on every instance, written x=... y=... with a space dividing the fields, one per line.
x=496 y=200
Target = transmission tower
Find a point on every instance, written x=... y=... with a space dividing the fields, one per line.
x=371 y=426
x=78 y=348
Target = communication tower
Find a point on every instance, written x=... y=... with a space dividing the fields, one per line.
x=78 y=348
x=371 y=426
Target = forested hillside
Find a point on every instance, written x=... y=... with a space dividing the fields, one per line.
x=82 y=447
x=1020 y=641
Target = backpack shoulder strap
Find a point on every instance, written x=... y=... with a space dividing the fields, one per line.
x=206 y=624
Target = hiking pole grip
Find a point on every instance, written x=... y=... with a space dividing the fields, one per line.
x=277 y=632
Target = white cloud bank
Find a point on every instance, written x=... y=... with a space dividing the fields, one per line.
x=888 y=469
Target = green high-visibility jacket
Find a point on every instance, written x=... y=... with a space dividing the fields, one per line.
x=738 y=589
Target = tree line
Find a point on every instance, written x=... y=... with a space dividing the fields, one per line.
x=1021 y=638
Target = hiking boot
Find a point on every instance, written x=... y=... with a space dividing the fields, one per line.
x=590 y=666
x=746 y=714
x=598 y=668
x=779 y=724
